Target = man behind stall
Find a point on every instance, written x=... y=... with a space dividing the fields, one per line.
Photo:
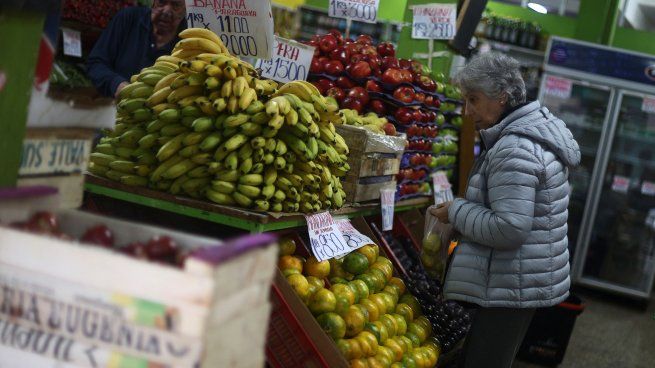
x=134 y=39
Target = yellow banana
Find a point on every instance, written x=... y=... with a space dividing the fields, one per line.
x=201 y=33
x=183 y=92
x=219 y=104
x=199 y=43
x=170 y=148
x=158 y=97
x=247 y=98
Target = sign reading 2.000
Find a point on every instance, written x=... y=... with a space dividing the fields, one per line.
x=244 y=26
x=359 y=10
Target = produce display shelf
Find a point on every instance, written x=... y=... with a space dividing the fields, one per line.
x=252 y=221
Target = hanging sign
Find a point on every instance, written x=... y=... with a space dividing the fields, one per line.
x=290 y=61
x=648 y=188
x=354 y=239
x=325 y=238
x=359 y=10
x=387 y=201
x=558 y=87
x=54 y=156
x=442 y=188
x=434 y=21
x=648 y=104
x=72 y=42
x=244 y=26
x=620 y=184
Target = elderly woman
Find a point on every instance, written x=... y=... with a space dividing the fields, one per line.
x=512 y=256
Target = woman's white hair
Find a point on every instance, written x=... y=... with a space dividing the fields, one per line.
x=494 y=74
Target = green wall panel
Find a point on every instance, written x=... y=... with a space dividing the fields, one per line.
x=634 y=40
x=21 y=33
x=553 y=24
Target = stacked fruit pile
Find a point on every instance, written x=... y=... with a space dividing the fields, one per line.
x=449 y=320
x=366 y=310
x=200 y=122
x=161 y=249
x=369 y=121
x=96 y=13
x=368 y=78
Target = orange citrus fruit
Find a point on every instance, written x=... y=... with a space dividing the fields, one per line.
x=378 y=278
x=408 y=343
x=395 y=348
x=355 y=321
x=417 y=330
x=300 y=285
x=389 y=300
x=398 y=340
x=378 y=329
x=317 y=269
x=401 y=324
x=408 y=362
x=344 y=290
x=416 y=342
x=332 y=324
x=369 y=339
x=390 y=323
x=370 y=251
x=316 y=282
x=286 y=263
x=287 y=246
x=411 y=301
x=388 y=355
x=386 y=268
x=378 y=361
x=363 y=309
x=355 y=263
x=372 y=308
x=379 y=302
x=337 y=270
x=398 y=283
x=338 y=280
x=349 y=348
x=361 y=289
x=322 y=301
x=358 y=363
x=420 y=359
x=424 y=322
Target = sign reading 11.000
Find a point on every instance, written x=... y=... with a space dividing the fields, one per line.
x=244 y=26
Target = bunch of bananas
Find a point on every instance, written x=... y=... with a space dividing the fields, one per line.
x=200 y=122
x=370 y=121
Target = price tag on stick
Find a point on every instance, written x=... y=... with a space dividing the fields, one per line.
x=387 y=202
x=354 y=239
x=244 y=26
x=434 y=21
x=72 y=42
x=359 y=10
x=325 y=238
x=290 y=61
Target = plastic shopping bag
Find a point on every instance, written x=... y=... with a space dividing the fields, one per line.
x=436 y=241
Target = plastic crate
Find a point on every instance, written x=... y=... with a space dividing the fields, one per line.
x=550 y=330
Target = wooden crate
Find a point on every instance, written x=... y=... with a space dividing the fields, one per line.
x=209 y=314
x=371 y=156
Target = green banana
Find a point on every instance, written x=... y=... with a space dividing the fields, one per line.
x=202 y=124
x=220 y=198
x=211 y=142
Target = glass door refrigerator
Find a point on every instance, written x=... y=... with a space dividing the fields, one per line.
x=606 y=97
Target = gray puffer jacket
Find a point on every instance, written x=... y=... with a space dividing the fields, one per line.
x=513 y=250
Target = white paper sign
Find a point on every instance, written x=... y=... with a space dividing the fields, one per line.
x=620 y=184
x=290 y=61
x=359 y=10
x=435 y=21
x=325 y=238
x=442 y=188
x=558 y=87
x=648 y=104
x=54 y=156
x=72 y=42
x=354 y=239
x=648 y=188
x=387 y=201
x=244 y=26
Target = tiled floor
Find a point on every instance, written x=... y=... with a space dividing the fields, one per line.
x=610 y=333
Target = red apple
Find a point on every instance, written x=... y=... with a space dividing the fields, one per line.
x=353 y=48
x=355 y=58
x=386 y=49
x=341 y=54
x=358 y=93
x=43 y=222
x=352 y=103
x=328 y=43
x=417 y=116
x=373 y=86
x=374 y=61
x=389 y=62
x=345 y=82
x=318 y=85
x=405 y=64
x=378 y=107
x=425 y=118
x=326 y=83
x=369 y=50
x=334 y=67
x=389 y=129
x=432 y=116
x=436 y=103
x=406 y=76
x=426 y=83
x=337 y=35
x=403 y=115
x=404 y=94
x=364 y=40
x=135 y=249
x=337 y=93
x=360 y=69
x=316 y=66
x=98 y=235
x=428 y=100
x=416 y=67
x=420 y=97
x=161 y=247
x=392 y=76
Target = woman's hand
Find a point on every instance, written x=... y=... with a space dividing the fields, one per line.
x=441 y=212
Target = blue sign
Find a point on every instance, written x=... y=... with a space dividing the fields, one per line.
x=613 y=63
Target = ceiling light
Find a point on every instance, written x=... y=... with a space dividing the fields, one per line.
x=538 y=8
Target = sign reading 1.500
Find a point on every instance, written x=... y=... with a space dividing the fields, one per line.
x=290 y=61
x=360 y=10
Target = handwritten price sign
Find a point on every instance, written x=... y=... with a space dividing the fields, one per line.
x=434 y=21
x=558 y=87
x=354 y=239
x=387 y=203
x=326 y=239
x=359 y=10
x=648 y=104
x=290 y=61
x=244 y=26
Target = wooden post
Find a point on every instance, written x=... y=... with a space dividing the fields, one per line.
x=466 y=153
